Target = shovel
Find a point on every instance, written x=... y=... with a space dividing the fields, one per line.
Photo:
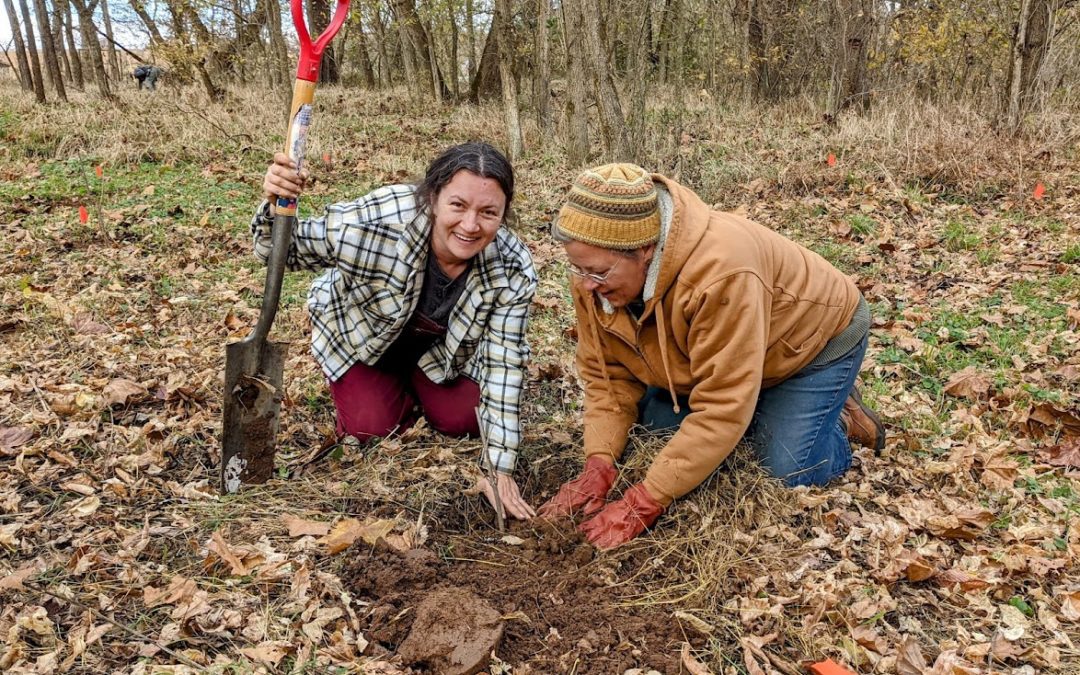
x=253 y=366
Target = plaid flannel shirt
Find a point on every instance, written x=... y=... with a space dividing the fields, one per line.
x=376 y=249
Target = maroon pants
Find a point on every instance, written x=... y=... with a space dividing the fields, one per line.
x=372 y=403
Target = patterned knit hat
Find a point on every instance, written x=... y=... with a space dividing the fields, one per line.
x=611 y=206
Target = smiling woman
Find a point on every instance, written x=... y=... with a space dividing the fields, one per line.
x=422 y=304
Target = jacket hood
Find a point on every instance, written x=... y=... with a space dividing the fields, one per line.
x=684 y=218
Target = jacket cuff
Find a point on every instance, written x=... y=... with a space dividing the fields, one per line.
x=501 y=460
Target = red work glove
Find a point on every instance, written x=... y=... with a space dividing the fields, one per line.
x=586 y=493
x=623 y=520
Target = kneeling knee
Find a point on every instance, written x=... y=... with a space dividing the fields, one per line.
x=455 y=426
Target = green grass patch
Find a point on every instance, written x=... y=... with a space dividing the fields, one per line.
x=1071 y=254
x=861 y=224
x=960 y=236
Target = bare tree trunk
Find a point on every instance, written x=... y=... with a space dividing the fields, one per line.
x=486 y=82
x=854 y=21
x=1030 y=43
x=48 y=49
x=31 y=48
x=414 y=81
x=470 y=32
x=758 y=55
x=73 y=51
x=381 y=44
x=144 y=16
x=542 y=79
x=438 y=84
x=576 y=115
x=279 y=53
x=740 y=15
x=637 y=71
x=114 y=60
x=57 y=24
x=366 y=70
x=26 y=80
x=612 y=123
x=663 y=38
x=455 y=84
x=504 y=26
x=90 y=43
x=417 y=68
x=181 y=16
x=426 y=66
x=318 y=17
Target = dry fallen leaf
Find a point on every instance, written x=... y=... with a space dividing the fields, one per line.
x=179 y=589
x=270 y=652
x=697 y=623
x=298 y=527
x=909 y=657
x=1070 y=606
x=13 y=437
x=692 y=665
x=14 y=581
x=968 y=383
x=121 y=391
x=85 y=507
x=217 y=545
x=347 y=531
x=1066 y=453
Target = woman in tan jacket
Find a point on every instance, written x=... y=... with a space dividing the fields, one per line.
x=706 y=322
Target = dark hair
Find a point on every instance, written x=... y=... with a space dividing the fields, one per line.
x=475 y=157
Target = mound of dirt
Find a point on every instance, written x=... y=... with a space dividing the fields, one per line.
x=555 y=597
x=454 y=633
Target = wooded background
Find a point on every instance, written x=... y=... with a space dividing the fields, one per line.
x=559 y=64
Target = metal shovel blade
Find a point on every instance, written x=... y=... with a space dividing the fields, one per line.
x=252 y=401
x=253 y=389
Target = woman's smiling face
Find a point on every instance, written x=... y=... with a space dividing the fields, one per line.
x=467 y=214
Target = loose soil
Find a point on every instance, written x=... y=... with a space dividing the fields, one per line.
x=558 y=600
x=552 y=596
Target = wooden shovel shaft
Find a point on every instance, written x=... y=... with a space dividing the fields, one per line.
x=254 y=366
x=284 y=222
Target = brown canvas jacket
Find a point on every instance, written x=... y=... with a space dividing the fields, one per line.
x=732 y=307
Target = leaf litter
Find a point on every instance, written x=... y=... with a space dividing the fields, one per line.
x=955 y=551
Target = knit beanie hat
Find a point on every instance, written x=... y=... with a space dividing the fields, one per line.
x=611 y=206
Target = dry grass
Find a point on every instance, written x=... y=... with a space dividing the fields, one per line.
x=741 y=554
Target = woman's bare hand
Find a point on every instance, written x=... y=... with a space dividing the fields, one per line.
x=512 y=502
x=282 y=179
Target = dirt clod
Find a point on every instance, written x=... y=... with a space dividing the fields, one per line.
x=454 y=633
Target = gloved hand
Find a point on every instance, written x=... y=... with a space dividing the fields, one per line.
x=622 y=520
x=586 y=493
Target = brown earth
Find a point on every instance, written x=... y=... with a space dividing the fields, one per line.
x=454 y=633
x=555 y=597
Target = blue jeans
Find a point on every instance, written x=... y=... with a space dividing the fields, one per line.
x=796 y=430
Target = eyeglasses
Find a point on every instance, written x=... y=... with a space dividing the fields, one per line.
x=598 y=279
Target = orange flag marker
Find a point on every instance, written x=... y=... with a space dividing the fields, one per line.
x=1040 y=190
x=831 y=161
x=99 y=171
x=829 y=667
x=84 y=215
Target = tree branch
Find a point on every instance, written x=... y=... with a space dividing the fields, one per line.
x=126 y=50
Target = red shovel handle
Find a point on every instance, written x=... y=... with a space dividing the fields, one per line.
x=307 y=68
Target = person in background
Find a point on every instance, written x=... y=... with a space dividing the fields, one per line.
x=422 y=304
x=706 y=323
x=146 y=74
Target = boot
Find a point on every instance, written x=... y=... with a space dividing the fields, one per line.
x=862 y=424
